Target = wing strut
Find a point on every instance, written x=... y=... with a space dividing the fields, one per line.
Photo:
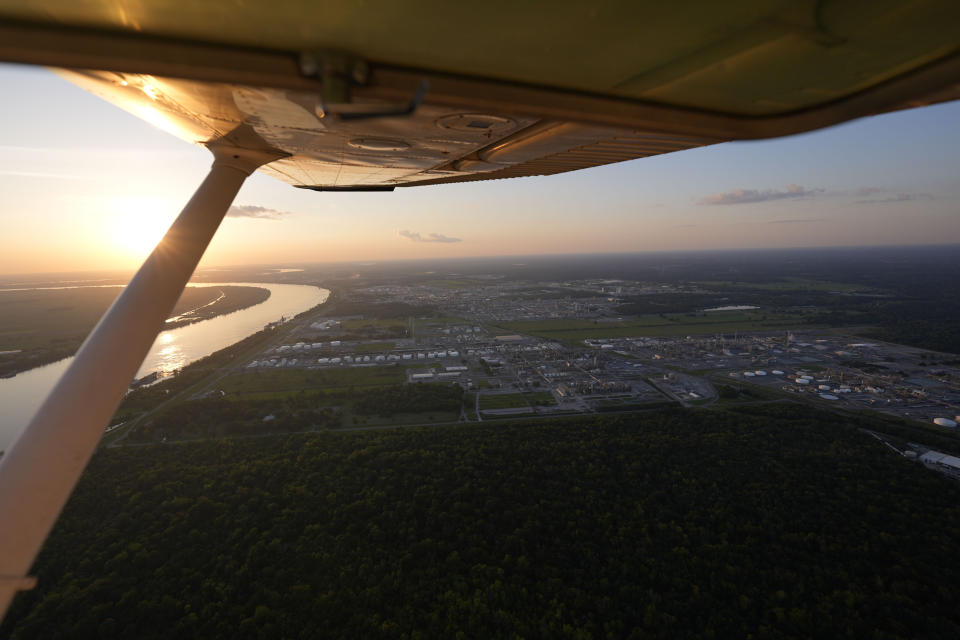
x=38 y=473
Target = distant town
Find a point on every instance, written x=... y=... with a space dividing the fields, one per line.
x=464 y=345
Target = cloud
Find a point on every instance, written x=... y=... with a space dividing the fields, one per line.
x=255 y=211
x=796 y=221
x=900 y=197
x=430 y=237
x=749 y=196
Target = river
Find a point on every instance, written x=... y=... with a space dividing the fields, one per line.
x=21 y=395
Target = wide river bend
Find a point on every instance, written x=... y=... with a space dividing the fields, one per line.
x=21 y=395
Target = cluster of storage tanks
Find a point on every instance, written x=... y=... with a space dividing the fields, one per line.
x=300 y=347
x=358 y=359
x=761 y=373
x=825 y=390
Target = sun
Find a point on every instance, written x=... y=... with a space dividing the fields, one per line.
x=137 y=224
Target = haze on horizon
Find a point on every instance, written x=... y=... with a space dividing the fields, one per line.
x=87 y=186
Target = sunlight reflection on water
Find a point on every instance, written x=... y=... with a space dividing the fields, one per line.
x=21 y=395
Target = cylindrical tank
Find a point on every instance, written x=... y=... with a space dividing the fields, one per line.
x=944 y=422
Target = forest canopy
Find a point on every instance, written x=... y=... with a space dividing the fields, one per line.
x=774 y=521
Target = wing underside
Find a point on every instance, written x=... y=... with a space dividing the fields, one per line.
x=432 y=145
x=382 y=94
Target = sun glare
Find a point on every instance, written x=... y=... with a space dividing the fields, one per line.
x=137 y=224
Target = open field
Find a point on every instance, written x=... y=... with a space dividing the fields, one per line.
x=378 y=323
x=503 y=401
x=289 y=381
x=655 y=325
x=441 y=320
x=46 y=325
x=788 y=284
x=541 y=399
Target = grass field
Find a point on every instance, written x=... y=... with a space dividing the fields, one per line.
x=541 y=399
x=655 y=325
x=439 y=320
x=276 y=383
x=503 y=401
x=379 y=323
x=788 y=284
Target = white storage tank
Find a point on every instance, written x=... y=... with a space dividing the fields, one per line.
x=760 y=373
x=749 y=374
x=945 y=422
x=827 y=396
x=824 y=387
x=802 y=381
x=777 y=372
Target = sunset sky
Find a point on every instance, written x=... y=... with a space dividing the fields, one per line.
x=87 y=186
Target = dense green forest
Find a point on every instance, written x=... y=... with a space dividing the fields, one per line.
x=410 y=398
x=771 y=521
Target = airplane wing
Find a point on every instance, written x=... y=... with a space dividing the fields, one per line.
x=384 y=94
x=379 y=94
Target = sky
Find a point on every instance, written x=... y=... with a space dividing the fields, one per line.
x=86 y=186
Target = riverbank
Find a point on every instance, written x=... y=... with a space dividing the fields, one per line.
x=44 y=325
x=21 y=395
x=230 y=299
